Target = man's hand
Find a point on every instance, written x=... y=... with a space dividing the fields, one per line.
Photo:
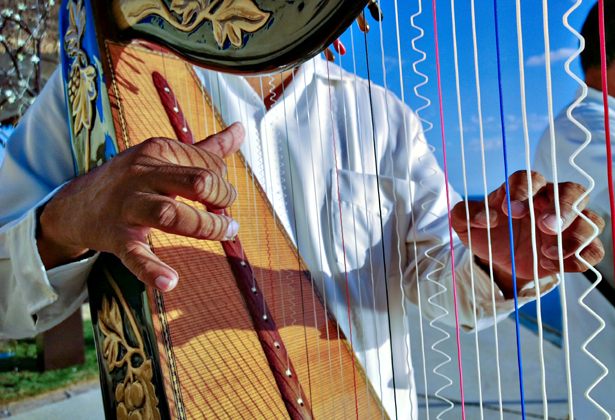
x=575 y=231
x=113 y=207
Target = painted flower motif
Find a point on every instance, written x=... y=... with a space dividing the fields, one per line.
x=229 y=18
x=81 y=93
x=187 y=9
x=75 y=29
x=135 y=394
x=234 y=17
x=137 y=399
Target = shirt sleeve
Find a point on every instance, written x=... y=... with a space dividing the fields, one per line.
x=38 y=161
x=428 y=277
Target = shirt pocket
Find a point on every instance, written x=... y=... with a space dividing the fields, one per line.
x=364 y=217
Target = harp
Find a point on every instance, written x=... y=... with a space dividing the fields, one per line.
x=252 y=330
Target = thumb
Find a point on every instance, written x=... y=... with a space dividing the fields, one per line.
x=138 y=258
x=224 y=143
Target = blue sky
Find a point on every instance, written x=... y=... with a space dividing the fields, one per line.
x=563 y=43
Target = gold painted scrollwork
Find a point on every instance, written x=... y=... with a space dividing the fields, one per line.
x=82 y=80
x=136 y=394
x=229 y=18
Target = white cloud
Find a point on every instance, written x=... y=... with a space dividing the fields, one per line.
x=491 y=143
x=556 y=55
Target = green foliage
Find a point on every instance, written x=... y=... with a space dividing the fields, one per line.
x=19 y=375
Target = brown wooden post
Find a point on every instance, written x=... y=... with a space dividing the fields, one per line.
x=62 y=346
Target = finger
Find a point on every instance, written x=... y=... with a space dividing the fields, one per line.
x=162 y=151
x=138 y=258
x=576 y=235
x=178 y=218
x=569 y=193
x=202 y=185
x=476 y=214
x=520 y=192
x=224 y=143
x=593 y=254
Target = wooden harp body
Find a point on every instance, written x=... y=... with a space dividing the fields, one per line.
x=212 y=348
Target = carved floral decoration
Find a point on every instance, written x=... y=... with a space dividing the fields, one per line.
x=136 y=394
x=229 y=18
x=82 y=78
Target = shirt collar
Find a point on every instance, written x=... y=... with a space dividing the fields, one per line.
x=596 y=96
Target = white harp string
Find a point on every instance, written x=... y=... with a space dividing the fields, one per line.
x=545 y=20
x=545 y=405
x=575 y=207
x=467 y=205
x=354 y=225
x=369 y=226
x=420 y=138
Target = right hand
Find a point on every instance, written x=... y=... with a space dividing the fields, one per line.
x=113 y=207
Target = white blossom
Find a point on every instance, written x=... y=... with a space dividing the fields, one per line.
x=35 y=59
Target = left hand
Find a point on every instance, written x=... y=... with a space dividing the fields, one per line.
x=575 y=231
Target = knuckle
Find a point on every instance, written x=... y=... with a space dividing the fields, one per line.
x=597 y=220
x=202 y=183
x=156 y=144
x=165 y=214
x=212 y=227
x=594 y=253
x=538 y=178
x=574 y=189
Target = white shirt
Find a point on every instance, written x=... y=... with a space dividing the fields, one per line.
x=300 y=169
x=568 y=138
x=593 y=160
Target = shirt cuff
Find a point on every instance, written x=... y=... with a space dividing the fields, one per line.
x=487 y=293
x=52 y=295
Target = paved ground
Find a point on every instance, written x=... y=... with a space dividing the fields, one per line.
x=86 y=406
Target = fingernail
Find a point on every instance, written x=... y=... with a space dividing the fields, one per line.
x=165 y=284
x=553 y=223
x=517 y=208
x=481 y=218
x=547 y=264
x=231 y=231
x=552 y=252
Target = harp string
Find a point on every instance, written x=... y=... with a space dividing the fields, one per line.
x=259 y=162
x=377 y=173
x=322 y=156
x=294 y=221
x=423 y=122
x=531 y=209
x=307 y=107
x=605 y=98
x=448 y=205
x=356 y=247
x=557 y=205
x=186 y=76
x=486 y=195
x=394 y=189
x=339 y=198
x=411 y=195
x=575 y=207
x=251 y=124
x=369 y=225
x=467 y=205
x=510 y=227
